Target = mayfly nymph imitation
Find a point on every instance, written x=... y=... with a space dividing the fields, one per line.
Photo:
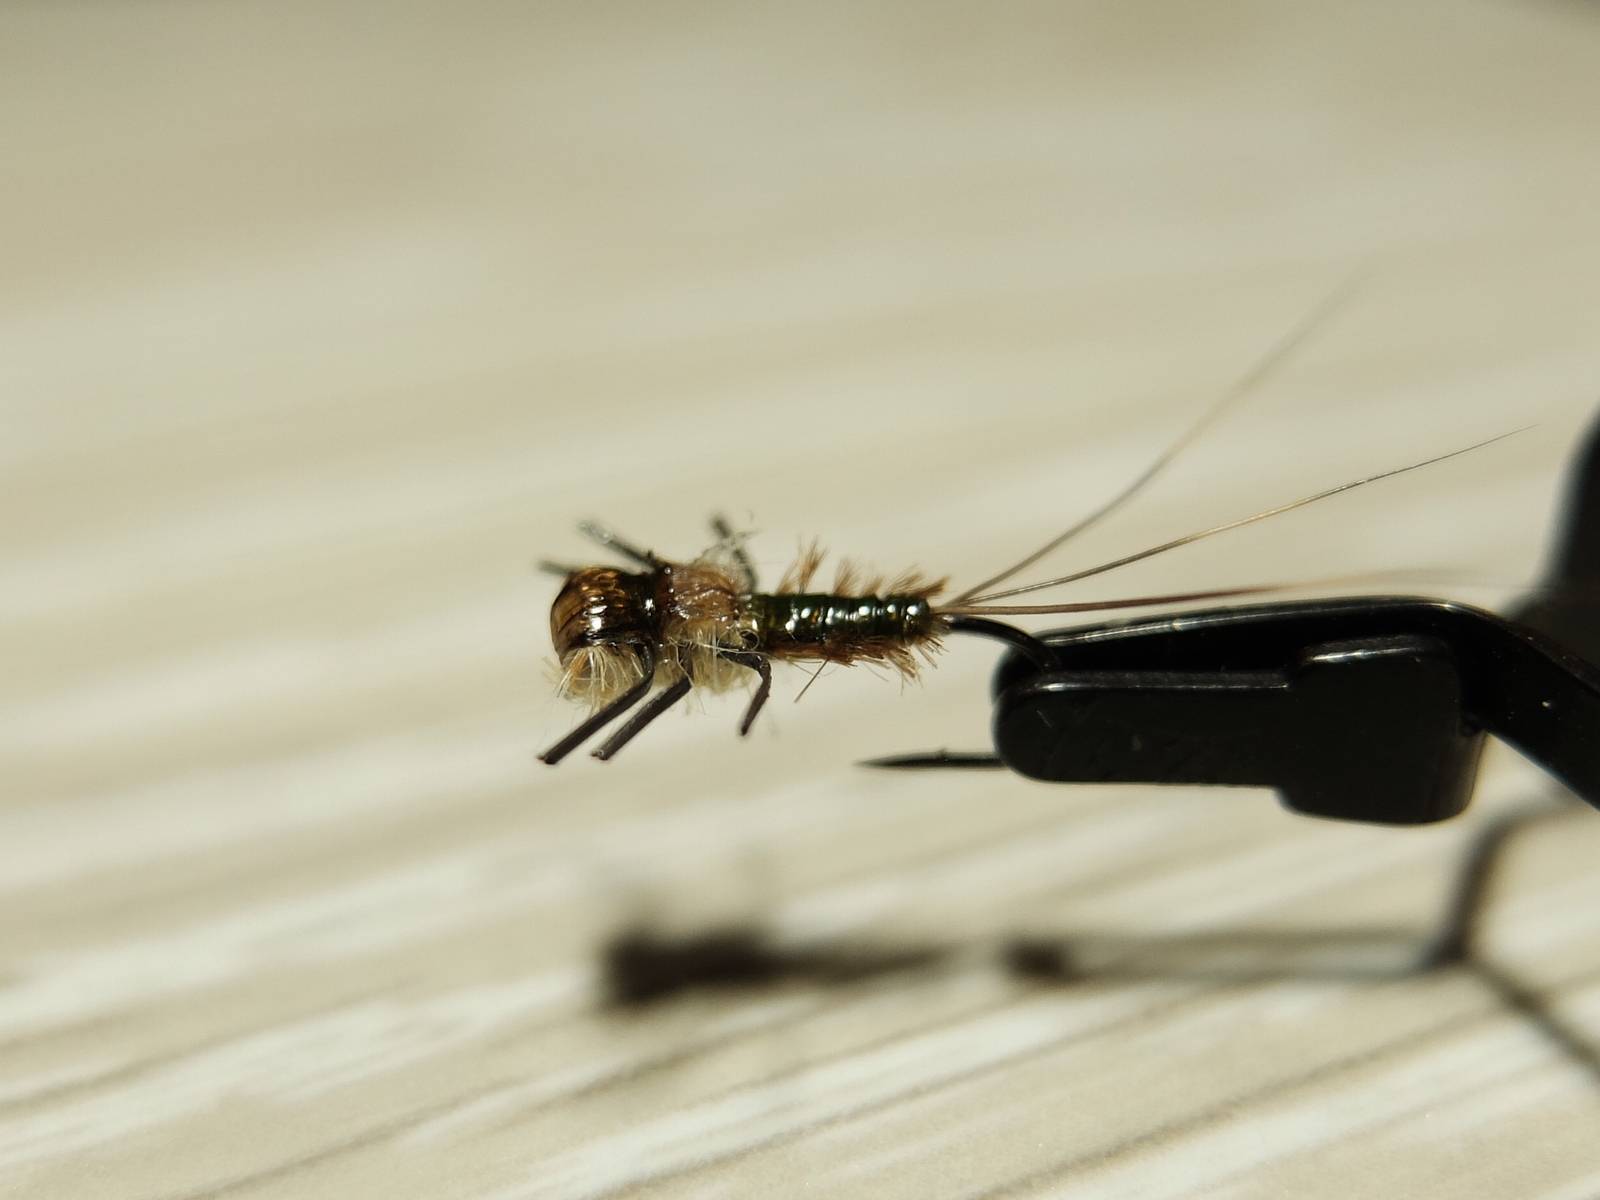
x=620 y=633
x=704 y=624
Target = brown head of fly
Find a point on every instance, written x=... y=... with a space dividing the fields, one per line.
x=619 y=633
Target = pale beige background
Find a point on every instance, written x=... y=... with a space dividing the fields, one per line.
x=319 y=323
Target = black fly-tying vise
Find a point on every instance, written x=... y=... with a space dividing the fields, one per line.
x=1369 y=709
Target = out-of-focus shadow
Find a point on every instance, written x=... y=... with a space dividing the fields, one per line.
x=641 y=967
x=1269 y=954
x=1241 y=955
x=1336 y=954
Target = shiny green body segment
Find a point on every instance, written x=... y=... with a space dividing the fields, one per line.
x=788 y=622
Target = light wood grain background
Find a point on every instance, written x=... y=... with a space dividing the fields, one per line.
x=319 y=323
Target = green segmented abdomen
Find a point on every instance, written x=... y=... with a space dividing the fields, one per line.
x=817 y=624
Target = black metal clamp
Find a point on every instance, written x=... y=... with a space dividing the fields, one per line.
x=1371 y=709
x=1361 y=710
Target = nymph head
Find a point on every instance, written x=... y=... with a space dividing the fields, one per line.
x=603 y=625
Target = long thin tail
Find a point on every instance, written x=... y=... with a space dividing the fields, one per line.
x=968 y=600
x=1242 y=387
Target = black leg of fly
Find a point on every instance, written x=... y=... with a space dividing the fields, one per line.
x=598 y=533
x=762 y=666
x=735 y=543
x=669 y=696
x=659 y=703
x=606 y=715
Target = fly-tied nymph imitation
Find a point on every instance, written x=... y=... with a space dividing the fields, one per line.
x=704 y=623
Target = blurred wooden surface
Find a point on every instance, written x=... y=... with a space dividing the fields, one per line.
x=320 y=323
